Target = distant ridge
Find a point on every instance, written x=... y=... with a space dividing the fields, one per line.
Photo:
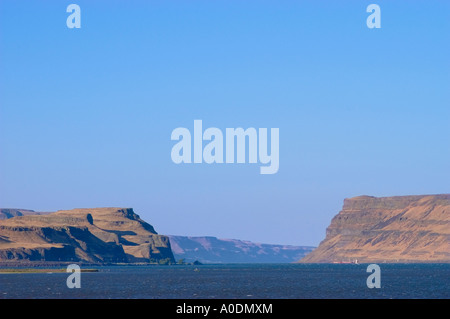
x=6 y=213
x=208 y=249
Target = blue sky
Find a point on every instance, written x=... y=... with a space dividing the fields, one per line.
x=86 y=114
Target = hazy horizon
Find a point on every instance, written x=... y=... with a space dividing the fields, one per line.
x=86 y=115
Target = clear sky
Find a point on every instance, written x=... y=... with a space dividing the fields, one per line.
x=86 y=114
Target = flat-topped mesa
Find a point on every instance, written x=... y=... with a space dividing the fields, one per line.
x=112 y=218
x=388 y=229
x=87 y=234
x=394 y=202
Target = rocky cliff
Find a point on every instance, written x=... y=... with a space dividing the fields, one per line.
x=207 y=249
x=388 y=229
x=97 y=235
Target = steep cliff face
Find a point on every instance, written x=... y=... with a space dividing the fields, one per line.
x=388 y=229
x=90 y=235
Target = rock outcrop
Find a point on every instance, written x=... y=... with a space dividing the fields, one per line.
x=388 y=229
x=207 y=249
x=97 y=235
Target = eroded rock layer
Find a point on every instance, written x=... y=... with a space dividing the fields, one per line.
x=388 y=229
x=96 y=235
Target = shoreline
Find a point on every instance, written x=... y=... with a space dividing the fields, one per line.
x=38 y=270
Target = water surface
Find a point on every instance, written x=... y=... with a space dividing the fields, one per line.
x=271 y=281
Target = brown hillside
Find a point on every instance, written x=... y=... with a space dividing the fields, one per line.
x=90 y=234
x=388 y=229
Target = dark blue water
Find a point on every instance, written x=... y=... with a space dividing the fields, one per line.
x=272 y=281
